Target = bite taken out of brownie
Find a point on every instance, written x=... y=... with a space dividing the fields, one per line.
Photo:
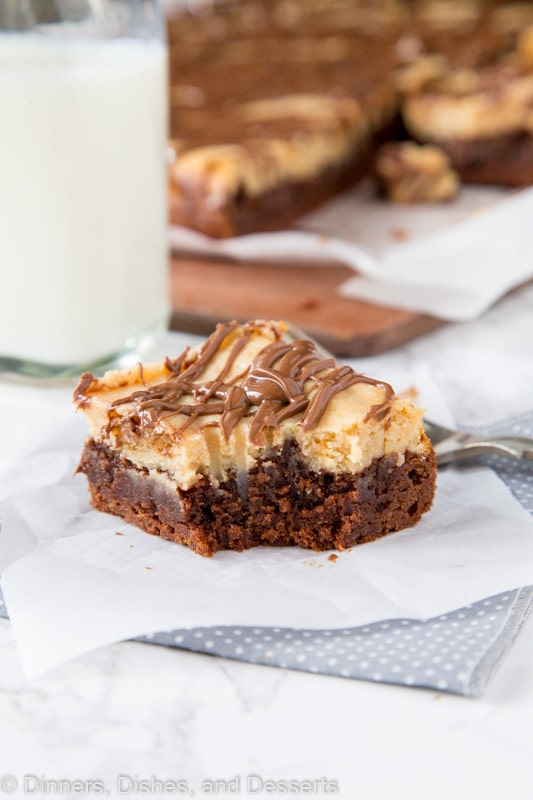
x=253 y=439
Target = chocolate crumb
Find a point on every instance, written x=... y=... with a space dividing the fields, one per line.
x=400 y=234
x=308 y=304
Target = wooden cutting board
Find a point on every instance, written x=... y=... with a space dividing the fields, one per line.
x=206 y=291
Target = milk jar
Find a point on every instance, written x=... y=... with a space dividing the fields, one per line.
x=83 y=253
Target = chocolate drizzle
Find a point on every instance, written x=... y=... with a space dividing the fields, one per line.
x=80 y=396
x=275 y=387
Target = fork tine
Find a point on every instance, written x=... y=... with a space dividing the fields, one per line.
x=438 y=433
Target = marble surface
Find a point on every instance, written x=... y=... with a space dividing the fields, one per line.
x=157 y=715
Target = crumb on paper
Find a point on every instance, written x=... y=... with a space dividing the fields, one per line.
x=313 y=563
x=333 y=557
x=150 y=568
x=411 y=393
x=118 y=533
x=399 y=234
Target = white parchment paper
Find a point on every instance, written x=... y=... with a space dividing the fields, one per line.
x=75 y=579
x=451 y=260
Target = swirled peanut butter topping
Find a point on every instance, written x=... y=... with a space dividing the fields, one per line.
x=221 y=408
x=283 y=380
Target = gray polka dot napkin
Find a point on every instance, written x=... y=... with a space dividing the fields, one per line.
x=455 y=652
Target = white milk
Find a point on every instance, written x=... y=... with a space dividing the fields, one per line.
x=83 y=262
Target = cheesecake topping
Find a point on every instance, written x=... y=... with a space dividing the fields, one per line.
x=284 y=379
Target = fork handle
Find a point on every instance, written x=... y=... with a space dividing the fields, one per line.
x=508 y=446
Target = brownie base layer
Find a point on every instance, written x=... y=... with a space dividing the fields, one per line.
x=280 y=502
x=502 y=160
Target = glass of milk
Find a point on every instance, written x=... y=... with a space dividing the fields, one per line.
x=83 y=245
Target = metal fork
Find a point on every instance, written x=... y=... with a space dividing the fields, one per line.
x=451 y=445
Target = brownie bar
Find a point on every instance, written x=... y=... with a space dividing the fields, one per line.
x=476 y=106
x=280 y=502
x=272 y=169
x=255 y=438
x=243 y=213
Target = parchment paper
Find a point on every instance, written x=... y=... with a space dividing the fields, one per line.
x=75 y=579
